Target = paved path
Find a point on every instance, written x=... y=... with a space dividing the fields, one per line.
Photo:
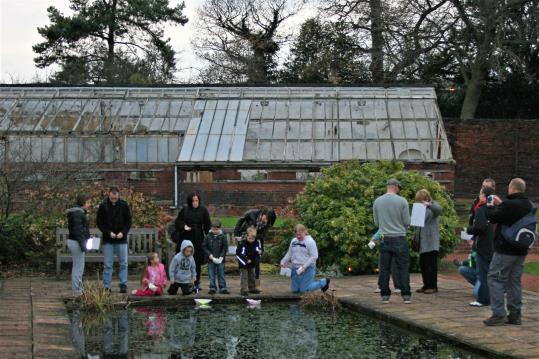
x=34 y=322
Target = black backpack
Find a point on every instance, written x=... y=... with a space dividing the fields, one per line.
x=521 y=234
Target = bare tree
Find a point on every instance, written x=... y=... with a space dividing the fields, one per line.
x=487 y=31
x=394 y=34
x=240 y=38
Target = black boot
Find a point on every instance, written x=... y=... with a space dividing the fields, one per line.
x=514 y=318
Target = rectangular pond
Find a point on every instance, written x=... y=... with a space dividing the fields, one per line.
x=277 y=330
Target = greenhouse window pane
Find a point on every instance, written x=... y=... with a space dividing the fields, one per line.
x=162 y=149
x=131 y=150
x=152 y=149
x=173 y=148
x=73 y=148
x=142 y=150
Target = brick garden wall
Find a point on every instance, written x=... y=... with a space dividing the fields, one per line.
x=501 y=149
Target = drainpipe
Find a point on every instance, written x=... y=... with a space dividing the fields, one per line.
x=175 y=186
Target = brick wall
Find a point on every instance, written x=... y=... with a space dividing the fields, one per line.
x=501 y=149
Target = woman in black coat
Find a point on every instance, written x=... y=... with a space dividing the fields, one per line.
x=193 y=223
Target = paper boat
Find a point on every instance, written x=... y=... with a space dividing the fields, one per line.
x=202 y=301
x=253 y=301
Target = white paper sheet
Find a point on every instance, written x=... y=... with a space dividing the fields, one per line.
x=93 y=243
x=419 y=211
x=287 y=272
x=465 y=236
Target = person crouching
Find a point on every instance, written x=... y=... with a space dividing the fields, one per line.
x=154 y=280
x=247 y=254
x=182 y=270
x=301 y=258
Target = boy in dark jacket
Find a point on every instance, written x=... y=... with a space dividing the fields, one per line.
x=215 y=246
x=483 y=245
x=262 y=219
x=507 y=266
x=114 y=221
x=247 y=254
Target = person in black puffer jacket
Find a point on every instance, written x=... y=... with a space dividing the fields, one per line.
x=483 y=245
x=79 y=232
x=507 y=266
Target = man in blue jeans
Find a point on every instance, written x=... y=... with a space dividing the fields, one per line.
x=114 y=221
x=392 y=217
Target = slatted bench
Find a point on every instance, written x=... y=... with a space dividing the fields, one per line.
x=141 y=241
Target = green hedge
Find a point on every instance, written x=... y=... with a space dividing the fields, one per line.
x=337 y=209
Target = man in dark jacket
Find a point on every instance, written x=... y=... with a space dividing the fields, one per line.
x=507 y=264
x=262 y=219
x=114 y=221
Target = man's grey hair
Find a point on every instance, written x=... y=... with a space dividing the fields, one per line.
x=518 y=184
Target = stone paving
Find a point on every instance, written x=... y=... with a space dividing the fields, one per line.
x=34 y=321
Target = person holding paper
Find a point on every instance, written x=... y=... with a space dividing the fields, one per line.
x=392 y=217
x=79 y=232
x=429 y=242
x=301 y=259
x=215 y=247
x=114 y=221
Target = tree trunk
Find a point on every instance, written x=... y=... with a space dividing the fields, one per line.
x=474 y=87
x=111 y=41
x=257 y=69
x=377 y=38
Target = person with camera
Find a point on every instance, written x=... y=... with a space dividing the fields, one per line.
x=507 y=266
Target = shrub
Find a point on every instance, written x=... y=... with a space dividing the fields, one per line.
x=337 y=209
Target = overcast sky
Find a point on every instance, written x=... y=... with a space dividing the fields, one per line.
x=19 y=20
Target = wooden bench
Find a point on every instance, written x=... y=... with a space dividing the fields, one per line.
x=141 y=241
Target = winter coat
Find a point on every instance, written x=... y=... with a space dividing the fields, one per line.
x=78 y=226
x=516 y=206
x=114 y=218
x=160 y=281
x=199 y=221
x=250 y=218
x=247 y=253
x=483 y=233
x=216 y=245
x=430 y=232
x=183 y=269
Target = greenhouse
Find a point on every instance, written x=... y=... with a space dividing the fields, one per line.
x=217 y=127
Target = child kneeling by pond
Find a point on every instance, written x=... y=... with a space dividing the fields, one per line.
x=301 y=259
x=154 y=279
x=182 y=270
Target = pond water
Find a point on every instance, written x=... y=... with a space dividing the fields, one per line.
x=235 y=331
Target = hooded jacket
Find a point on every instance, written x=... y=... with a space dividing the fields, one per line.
x=183 y=269
x=215 y=244
x=301 y=253
x=483 y=233
x=114 y=218
x=78 y=226
x=248 y=251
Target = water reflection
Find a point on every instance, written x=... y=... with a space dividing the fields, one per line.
x=234 y=331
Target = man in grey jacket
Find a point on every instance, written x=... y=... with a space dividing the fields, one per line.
x=392 y=217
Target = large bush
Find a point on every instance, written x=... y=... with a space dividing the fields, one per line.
x=337 y=209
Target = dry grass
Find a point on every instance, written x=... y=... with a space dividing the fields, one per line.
x=320 y=301
x=96 y=298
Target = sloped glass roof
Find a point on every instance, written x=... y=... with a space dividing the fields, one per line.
x=259 y=126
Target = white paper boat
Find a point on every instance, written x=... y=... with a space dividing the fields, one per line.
x=253 y=301
x=465 y=236
x=202 y=301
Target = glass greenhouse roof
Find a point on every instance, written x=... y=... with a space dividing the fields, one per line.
x=259 y=126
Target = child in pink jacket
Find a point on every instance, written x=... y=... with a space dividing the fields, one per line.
x=154 y=280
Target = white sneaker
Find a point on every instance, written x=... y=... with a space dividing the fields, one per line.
x=475 y=303
x=377 y=290
x=397 y=291
x=385 y=300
